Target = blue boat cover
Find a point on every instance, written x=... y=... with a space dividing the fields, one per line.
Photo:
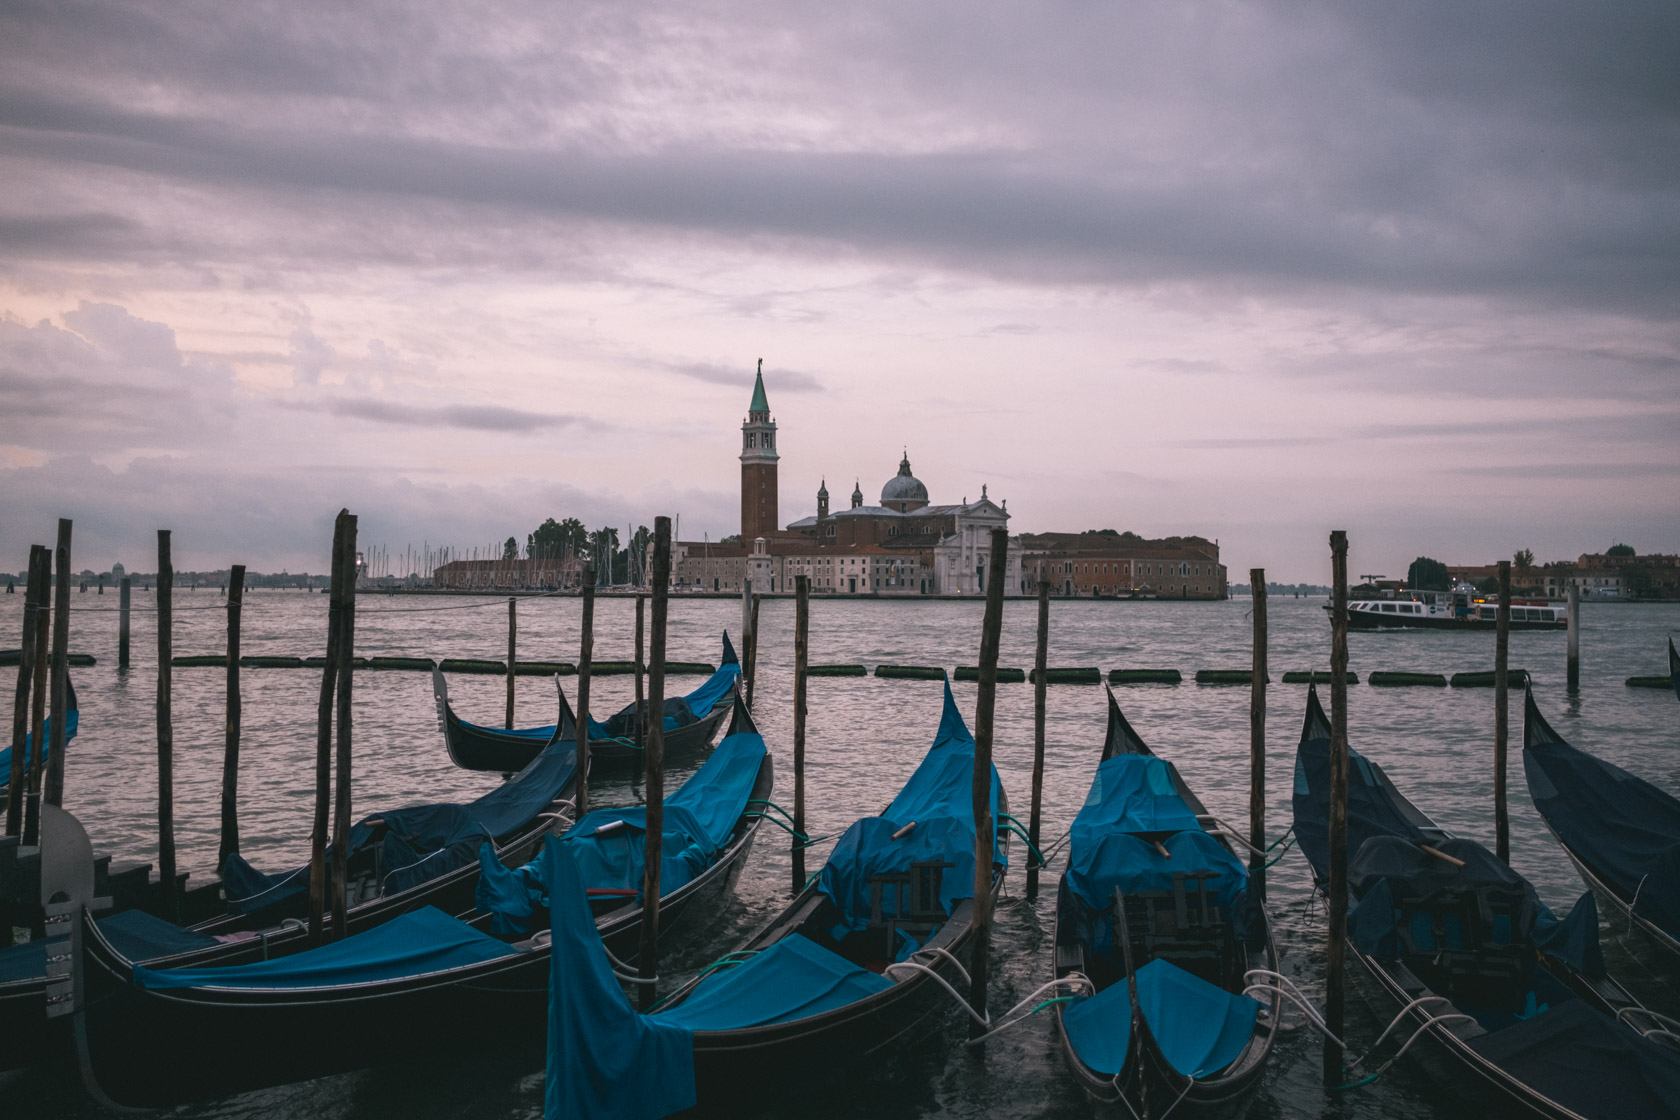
x=70 y=726
x=938 y=799
x=134 y=933
x=608 y=844
x=604 y=1060
x=1587 y=1063
x=795 y=978
x=413 y=944
x=420 y=842
x=1134 y=801
x=1370 y=810
x=1396 y=881
x=1198 y=1027
x=1626 y=830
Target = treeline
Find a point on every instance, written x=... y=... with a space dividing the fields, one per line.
x=615 y=563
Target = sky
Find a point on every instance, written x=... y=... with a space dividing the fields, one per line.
x=1249 y=271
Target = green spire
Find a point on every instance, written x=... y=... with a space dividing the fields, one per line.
x=759 y=402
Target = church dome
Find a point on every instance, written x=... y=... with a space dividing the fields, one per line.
x=904 y=487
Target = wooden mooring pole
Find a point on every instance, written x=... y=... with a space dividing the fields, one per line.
x=752 y=650
x=323 y=749
x=32 y=595
x=230 y=742
x=52 y=791
x=585 y=663
x=38 y=699
x=985 y=704
x=1040 y=658
x=124 y=591
x=1501 y=715
x=654 y=758
x=513 y=650
x=1573 y=682
x=1257 y=739
x=341 y=779
x=165 y=729
x=801 y=635
x=1335 y=972
x=641 y=673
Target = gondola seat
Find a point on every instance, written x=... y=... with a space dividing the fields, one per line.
x=1184 y=925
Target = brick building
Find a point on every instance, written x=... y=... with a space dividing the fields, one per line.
x=1099 y=565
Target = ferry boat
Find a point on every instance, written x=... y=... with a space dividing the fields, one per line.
x=1459 y=609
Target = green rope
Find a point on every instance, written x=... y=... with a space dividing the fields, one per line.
x=1015 y=826
x=1275 y=858
x=772 y=804
x=1366 y=1080
x=728 y=960
x=1052 y=1002
x=804 y=840
x=1286 y=834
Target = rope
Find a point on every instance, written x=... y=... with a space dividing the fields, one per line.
x=1018 y=829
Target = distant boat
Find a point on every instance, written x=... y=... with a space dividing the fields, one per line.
x=1461 y=609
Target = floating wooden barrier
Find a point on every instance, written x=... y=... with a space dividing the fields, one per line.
x=1649 y=682
x=1070 y=676
x=219 y=660
x=910 y=672
x=1004 y=676
x=416 y=664
x=1316 y=676
x=1228 y=676
x=1145 y=676
x=837 y=670
x=473 y=665
x=1429 y=680
x=1484 y=679
x=321 y=663
x=543 y=668
x=15 y=656
x=264 y=662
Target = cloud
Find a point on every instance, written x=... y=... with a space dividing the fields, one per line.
x=482 y=418
x=786 y=380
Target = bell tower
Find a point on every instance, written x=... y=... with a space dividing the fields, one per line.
x=759 y=508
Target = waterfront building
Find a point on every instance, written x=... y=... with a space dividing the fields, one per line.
x=545 y=573
x=1107 y=565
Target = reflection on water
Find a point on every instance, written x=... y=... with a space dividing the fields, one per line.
x=864 y=737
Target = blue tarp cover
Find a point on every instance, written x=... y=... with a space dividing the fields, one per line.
x=939 y=798
x=1370 y=812
x=1626 y=830
x=413 y=944
x=1198 y=1027
x=604 y=1060
x=793 y=979
x=1592 y=1066
x=421 y=842
x=135 y=934
x=1132 y=793
x=608 y=844
x=1388 y=869
x=70 y=727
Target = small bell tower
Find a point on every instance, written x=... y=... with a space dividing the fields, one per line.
x=758 y=466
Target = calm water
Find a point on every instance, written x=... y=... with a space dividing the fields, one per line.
x=864 y=738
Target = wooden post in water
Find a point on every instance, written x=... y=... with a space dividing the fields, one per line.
x=1574 y=673
x=1501 y=715
x=1335 y=973
x=513 y=649
x=38 y=699
x=32 y=594
x=230 y=747
x=586 y=658
x=1257 y=738
x=1041 y=656
x=323 y=750
x=123 y=594
x=53 y=789
x=641 y=671
x=654 y=756
x=801 y=634
x=985 y=837
x=752 y=651
x=346 y=593
x=165 y=729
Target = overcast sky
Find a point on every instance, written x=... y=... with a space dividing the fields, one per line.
x=1249 y=271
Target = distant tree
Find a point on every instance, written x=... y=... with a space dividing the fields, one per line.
x=603 y=545
x=1523 y=560
x=510 y=549
x=1637 y=579
x=1621 y=550
x=547 y=543
x=1428 y=575
x=1489 y=586
x=733 y=538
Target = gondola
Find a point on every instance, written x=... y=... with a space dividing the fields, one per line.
x=1622 y=834
x=423 y=983
x=71 y=724
x=842 y=976
x=691 y=723
x=1513 y=1007
x=1154 y=912
x=426 y=855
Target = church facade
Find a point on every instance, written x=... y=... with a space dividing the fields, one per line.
x=903 y=546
